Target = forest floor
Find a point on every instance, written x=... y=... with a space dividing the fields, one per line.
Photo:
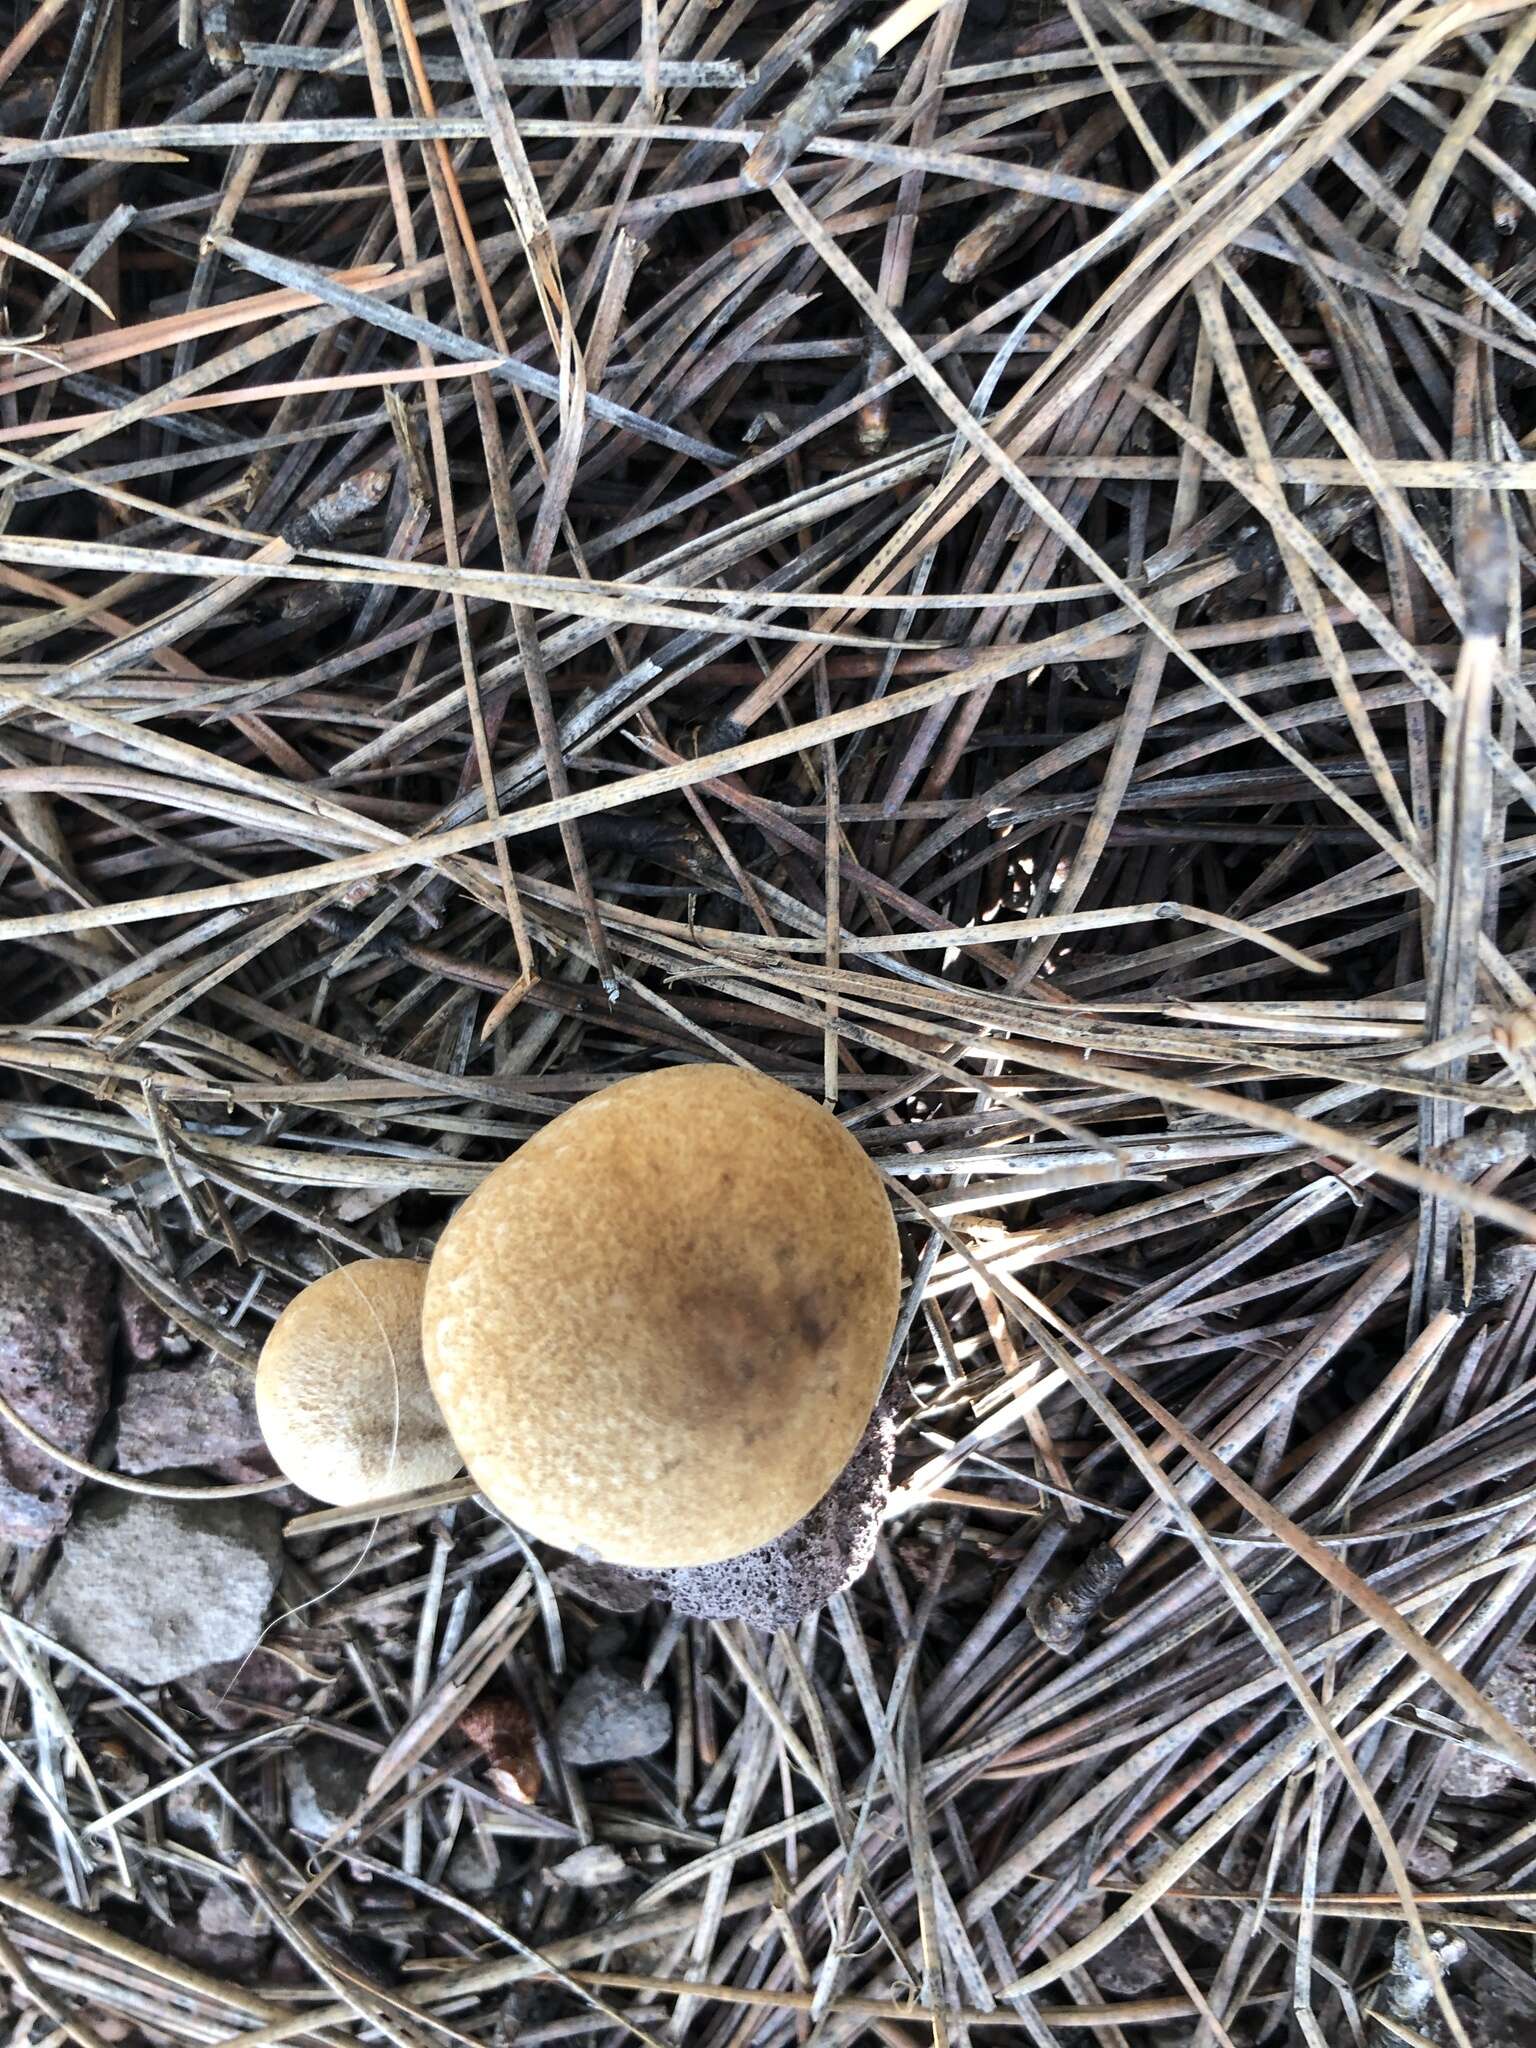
x=969 y=557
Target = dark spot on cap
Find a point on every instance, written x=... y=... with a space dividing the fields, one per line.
x=813 y=1324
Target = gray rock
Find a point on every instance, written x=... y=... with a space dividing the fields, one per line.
x=1203 y=1920
x=1129 y=1966
x=613 y=1587
x=234 y=1696
x=195 y=1416
x=223 y=1911
x=195 y=1813
x=606 y=1719
x=12 y=1839
x=473 y=1869
x=1429 y=1862
x=148 y=1333
x=1479 y=1771
x=235 y=1956
x=325 y=1781
x=596 y=1864
x=1494 y=2014
x=527 y=2006
x=56 y=1305
x=779 y=1583
x=1407 y=1989
x=155 y=1589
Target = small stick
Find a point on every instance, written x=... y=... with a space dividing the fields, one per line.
x=819 y=102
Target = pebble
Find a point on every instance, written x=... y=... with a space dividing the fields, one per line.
x=1129 y=1966
x=325 y=1781
x=194 y=1812
x=237 y=1695
x=147 y=1332
x=55 y=1360
x=608 y=1719
x=1429 y=1862
x=613 y=1587
x=597 y=1864
x=1512 y=1689
x=239 y=1958
x=223 y=1911
x=153 y=1590
x=198 y=1415
x=469 y=1874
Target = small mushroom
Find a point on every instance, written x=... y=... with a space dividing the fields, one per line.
x=657 y=1331
x=341 y=1391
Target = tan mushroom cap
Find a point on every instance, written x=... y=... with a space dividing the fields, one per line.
x=341 y=1390
x=657 y=1331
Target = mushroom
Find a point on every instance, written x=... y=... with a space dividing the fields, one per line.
x=341 y=1391
x=657 y=1332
